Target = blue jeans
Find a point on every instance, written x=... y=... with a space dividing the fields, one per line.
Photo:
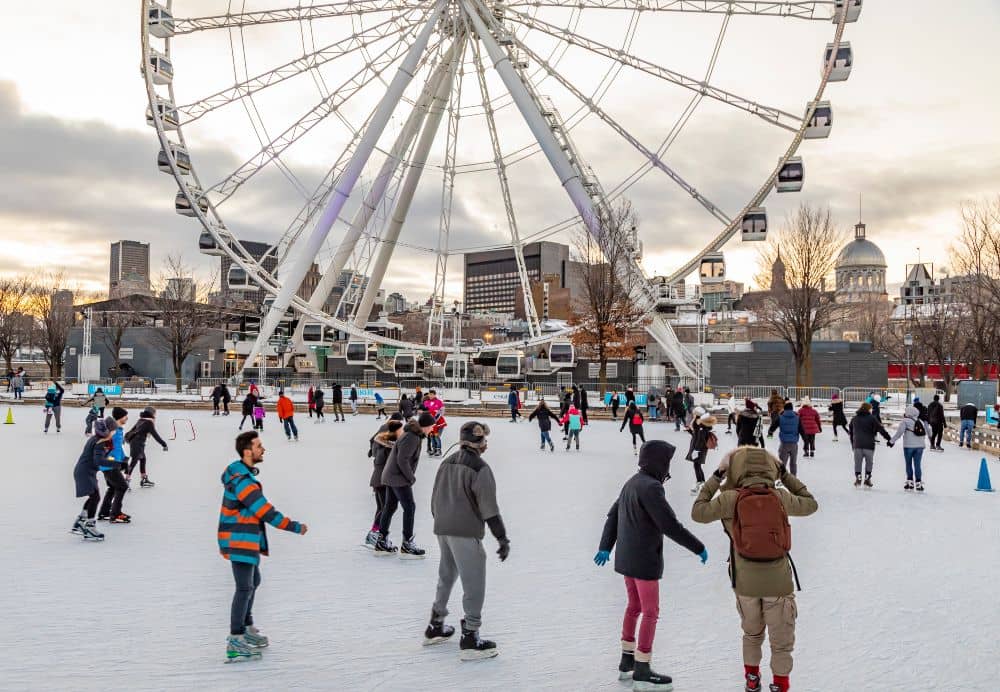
x=290 y=428
x=435 y=442
x=546 y=439
x=913 y=456
x=652 y=413
x=967 y=427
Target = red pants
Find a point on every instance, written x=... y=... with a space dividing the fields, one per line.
x=643 y=597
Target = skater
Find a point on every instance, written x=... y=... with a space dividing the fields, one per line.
x=258 y=415
x=564 y=406
x=514 y=402
x=286 y=414
x=775 y=405
x=113 y=467
x=637 y=522
x=755 y=517
x=136 y=439
x=379 y=407
x=249 y=401
x=98 y=402
x=749 y=425
x=876 y=403
x=53 y=405
x=573 y=422
x=398 y=477
x=380 y=445
x=226 y=398
x=584 y=405
x=243 y=539
x=216 y=399
x=967 y=415
x=614 y=406
x=935 y=416
x=731 y=415
x=862 y=430
x=545 y=417
x=405 y=407
x=318 y=405
x=811 y=426
x=788 y=426
x=254 y=389
x=418 y=398
x=432 y=404
x=16 y=383
x=921 y=410
x=677 y=408
x=912 y=430
x=434 y=436
x=95 y=454
x=836 y=408
x=310 y=401
x=353 y=396
x=688 y=407
x=651 y=410
x=633 y=419
x=337 y=398
x=703 y=440
x=463 y=503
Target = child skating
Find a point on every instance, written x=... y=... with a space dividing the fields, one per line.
x=258 y=415
x=136 y=439
x=96 y=453
x=573 y=420
x=633 y=419
x=544 y=415
x=113 y=467
x=703 y=440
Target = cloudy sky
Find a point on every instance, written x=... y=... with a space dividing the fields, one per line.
x=914 y=132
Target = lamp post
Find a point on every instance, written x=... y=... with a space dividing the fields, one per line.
x=908 y=342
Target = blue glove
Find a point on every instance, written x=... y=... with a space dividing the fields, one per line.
x=602 y=557
x=704 y=556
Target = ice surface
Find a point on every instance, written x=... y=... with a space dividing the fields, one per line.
x=899 y=590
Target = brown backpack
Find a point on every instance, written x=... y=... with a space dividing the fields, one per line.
x=761 y=531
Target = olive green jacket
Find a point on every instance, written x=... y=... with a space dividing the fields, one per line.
x=752 y=466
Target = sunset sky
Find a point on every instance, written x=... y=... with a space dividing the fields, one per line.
x=914 y=133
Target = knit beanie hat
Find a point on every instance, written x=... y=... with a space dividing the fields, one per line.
x=148 y=412
x=425 y=420
x=396 y=415
x=118 y=412
x=473 y=434
x=103 y=428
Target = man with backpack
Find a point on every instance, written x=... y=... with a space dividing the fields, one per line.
x=755 y=517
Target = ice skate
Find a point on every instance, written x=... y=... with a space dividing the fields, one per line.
x=410 y=551
x=645 y=678
x=255 y=638
x=78 y=525
x=752 y=683
x=383 y=548
x=472 y=648
x=146 y=483
x=90 y=532
x=370 y=540
x=437 y=632
x=627 y=664
x=239 y=650
x=635 y=450
x=103 y=517
x=552 y=447
x=868 y=482
x=920 y=486
x=121 y=519
x=857 y=480
x=542 y=447
x=697 y=487
x=908 y=485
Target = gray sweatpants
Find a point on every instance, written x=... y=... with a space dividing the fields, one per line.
x=788 y=452
x=461 y=557
x=53 y=411
x=865 y=455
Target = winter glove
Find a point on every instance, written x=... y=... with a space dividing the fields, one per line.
x=704 y=556
x=504 y=550
x=602 y=557
x=890 y=445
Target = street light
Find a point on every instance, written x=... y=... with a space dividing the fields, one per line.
x=908 y=342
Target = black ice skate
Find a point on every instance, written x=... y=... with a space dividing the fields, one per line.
x=437 y=632
x=410 y=551
x=908 y=485
x=868 y=482
x=122 y=519
x=920 y=486
x=90 y=532
x=627 y=664
x=472 y=648
x=78 y=525
x=146 y=483
x=383 y=548
x=857 y=480
x=645 y=678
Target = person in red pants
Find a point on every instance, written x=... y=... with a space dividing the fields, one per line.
x=637 y=522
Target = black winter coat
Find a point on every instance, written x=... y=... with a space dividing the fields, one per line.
x=968 y=412
x=381 y=445
x=630 y=413
x=406 y=408
x=746 y=428
x=935 y=413
x=318 y=400
x=584 y=405
x=95 y=453
x=136 y=437
x=641 y=516
x=401 y=464
x=248 y=403
x=217 y=393
x=545 y=418
x=677 y=403
x=921 y=411
x=338 y=395
x=863 y=429
x=837 y=409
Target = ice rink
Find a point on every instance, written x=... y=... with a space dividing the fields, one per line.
x=899 y=589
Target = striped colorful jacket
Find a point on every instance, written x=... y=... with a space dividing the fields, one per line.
x=244 y=510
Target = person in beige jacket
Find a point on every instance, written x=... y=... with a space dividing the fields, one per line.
x=765 y=596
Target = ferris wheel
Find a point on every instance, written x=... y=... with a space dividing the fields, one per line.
x=367 y=117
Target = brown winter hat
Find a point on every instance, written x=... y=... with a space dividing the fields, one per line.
x=708 y=420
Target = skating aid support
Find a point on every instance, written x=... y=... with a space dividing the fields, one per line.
x=173 y=424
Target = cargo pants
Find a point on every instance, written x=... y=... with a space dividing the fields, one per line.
x=775 y=616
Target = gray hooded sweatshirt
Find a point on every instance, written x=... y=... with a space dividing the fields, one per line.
x=905 y=430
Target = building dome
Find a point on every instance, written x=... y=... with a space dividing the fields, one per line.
x=860 y=269
x=861 y=252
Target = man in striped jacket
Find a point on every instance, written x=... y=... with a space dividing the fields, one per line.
x=242 y=540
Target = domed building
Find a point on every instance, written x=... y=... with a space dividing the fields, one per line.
x=861 y=270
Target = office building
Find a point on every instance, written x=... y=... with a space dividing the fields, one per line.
x=492 y=281
x=129 y=269
x=179 y=289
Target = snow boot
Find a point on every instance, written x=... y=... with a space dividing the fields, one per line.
x=255 y=638
x=238 y=649
x=410 y=551
x=857 y=480
x=371 y=539
x=472 y=648
x=627 y=664
x=868 y=481
x=146 y=483
x=908 y=485
x=920 y=486
x=383 y=548
x=437 y=632
x=90 y=532
x=645 y=678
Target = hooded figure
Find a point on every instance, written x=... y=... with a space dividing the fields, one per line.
x=764 y=589
x=636 y=524
x=912 y=430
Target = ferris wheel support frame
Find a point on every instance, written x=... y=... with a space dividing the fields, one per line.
x=343 y=188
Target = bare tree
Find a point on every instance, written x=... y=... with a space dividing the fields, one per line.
x=15 y=323
x=184 y=324
x=975 y=258
x=607 y=313
x=113 y=326
x=51 y=304
x=939 y=332
x=809 y=245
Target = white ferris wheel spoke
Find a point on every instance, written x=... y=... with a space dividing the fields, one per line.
x=769 y=114
x=366 y=75
x=501 y=168
x=819 y=10
x=348 y=8
x=308 y=62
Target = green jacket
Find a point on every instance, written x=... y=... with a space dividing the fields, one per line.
x=752 y=466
